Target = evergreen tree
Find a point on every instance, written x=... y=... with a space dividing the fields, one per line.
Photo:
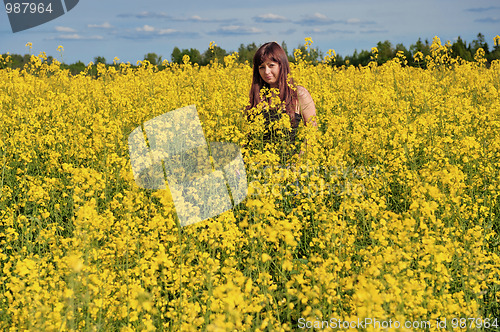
x=153 y=58
x=460 y=50
x=312 y=55
x=194 y=55
x=99 y=59
x=76 y=68
x=385 y=51
x=406 y=52
x=176 y=56
x=419 y=46
x=246 y=53
x=216 y=52
x=479 y=43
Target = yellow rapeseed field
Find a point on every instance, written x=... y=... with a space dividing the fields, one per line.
x=391 y=216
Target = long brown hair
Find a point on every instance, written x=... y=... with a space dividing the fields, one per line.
x=273 y=51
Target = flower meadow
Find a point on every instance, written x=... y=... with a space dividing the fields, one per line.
x=391 y=214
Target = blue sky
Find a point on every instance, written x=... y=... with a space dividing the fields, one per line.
x=129 y=29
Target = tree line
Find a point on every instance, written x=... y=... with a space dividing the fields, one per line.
x=386 y=51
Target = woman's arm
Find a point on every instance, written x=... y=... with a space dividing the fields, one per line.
x=306 y=105
x=307 y=109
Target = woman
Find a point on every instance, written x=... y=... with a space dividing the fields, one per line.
x=271 y=70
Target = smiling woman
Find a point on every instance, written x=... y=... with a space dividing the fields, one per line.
x=271 y=71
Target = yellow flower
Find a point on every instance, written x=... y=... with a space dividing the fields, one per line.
x=388 y=216
x=265 y=258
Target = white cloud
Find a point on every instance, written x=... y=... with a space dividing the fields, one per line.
x=164 y=16
x=151 y=15
x=374 y=31
x=64 y=29
x=151 y=32
x=319 y=31
x=146 y=28
x=167 y=31
x=358 y=21
x=320 y=16
x=270 y=18
x=76 y=36
x=198 y=18
x=237 y=30
x=322 y=19
x=104 y=25
x=150 y=29
x=73 y=36
x=315 y=19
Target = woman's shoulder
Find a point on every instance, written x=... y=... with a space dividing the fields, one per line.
x=302 y=91
x=302 y=94
x=300 y=88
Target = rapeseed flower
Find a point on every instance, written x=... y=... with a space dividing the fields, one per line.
x=391 y=213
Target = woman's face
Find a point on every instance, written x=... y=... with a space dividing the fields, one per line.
x=270 y=72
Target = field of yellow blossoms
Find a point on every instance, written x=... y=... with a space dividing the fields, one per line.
x=391 y=216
